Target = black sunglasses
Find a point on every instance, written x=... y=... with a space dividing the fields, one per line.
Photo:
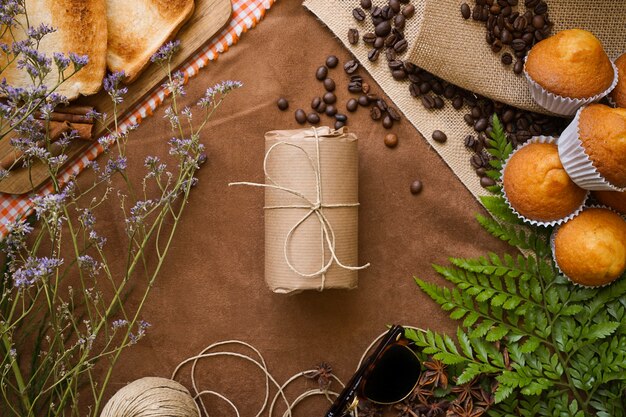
x=387 y=376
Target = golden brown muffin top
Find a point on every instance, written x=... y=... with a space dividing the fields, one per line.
x=619 y=93
x=537 y=186
x=591 y=248
x=571 y=63
x=602 y=131
x=614 y=199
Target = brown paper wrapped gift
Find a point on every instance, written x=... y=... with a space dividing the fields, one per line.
x=311 y=209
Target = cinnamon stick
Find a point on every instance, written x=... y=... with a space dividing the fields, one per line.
x=66 y=117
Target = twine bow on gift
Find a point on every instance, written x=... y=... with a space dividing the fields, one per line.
x=314 y=208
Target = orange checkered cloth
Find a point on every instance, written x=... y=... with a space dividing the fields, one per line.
x=246 y=14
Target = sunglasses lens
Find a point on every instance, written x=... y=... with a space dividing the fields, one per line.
x=393 y=377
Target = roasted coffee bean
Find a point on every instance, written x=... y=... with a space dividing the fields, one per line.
x=369 y=38
x=481 y=172
x=351 y=105
x=393 y=113
x=364 y=101
x=329 y=98
x=506 y=37
x=481 y=124
x=400 y=46
x=390 y=54
x=438 y=102
x=395 y=5
x=353 y=36
x=414 y=90
x=339 y=124
x=321 y=108
x=358 y=14
x=496 y=46
x=476 y=161
x=539 y=21
x=366 y=4
x=331 y=110
x=300 y=116
x=469 y=119
x=465 y=11
x=373 y=55
x=518 y=45
x=355 y=86
x=315 y=103
x=541 y=8
x=365 y=88
x=408 y=11
x=321 y=73
x=410 y=67
x=425 y=87
x=387 y=12
x=379 y=42
x=375 y=113
x=427 y=101
x=457 y=103
x=341 y=117
x=518 y=68
x=520 y=23
x=449 y=91
x=390 y=40
x=383 y=28
x=439 y=137
x=332 y=61
x=506 y=58
x=470 y=141
x=395 y=64
x=437 y=87
x=329 y=84
x=376 y=12
x=416 y=187
x=476 y=112
x=382 y=104
x=399 y=22
x=282 y=104
x=387 y=122
x=507 y=116
x=351 y=66
x=391 y=140
x=487 y=182
x=398 y=74
x=531 y=4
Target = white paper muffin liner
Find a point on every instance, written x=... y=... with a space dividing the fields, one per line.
x=577 y=163
x=552 y=248
x=539 y=139
x=564 y=106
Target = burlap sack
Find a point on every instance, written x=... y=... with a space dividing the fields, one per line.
x=442 y=42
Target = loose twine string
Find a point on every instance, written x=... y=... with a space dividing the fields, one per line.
x=260 y=363
x=315 y=208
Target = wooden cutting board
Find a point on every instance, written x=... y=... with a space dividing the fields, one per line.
x=208 y=18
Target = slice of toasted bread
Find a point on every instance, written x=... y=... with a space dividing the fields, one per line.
x=138 y=28
x=81 y=28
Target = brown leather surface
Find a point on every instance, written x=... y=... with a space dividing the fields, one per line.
x=212 y=286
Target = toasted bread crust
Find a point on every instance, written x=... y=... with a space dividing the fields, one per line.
x=138 y=29
x=81 y=28
x=571 y=63
x=591 y=248
x=537 y=185
x=602 y=132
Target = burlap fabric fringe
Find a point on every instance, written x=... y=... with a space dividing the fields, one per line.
x=442 y=42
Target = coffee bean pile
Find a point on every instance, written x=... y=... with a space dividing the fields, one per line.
x=509 y=30
x=434 y=92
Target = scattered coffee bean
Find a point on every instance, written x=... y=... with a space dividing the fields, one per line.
x=315 y=103
x=282 y=103
x=518 y=68
x=391 y=140
x=364 y=101
x=341 y=117
x=416 y=187
x=369 y=38
x=408 y=11
x=313 y=118
x=399 y=22
x=358 y=14
x=428 y=102
x=366 y=4
x=487 y=181
x=387 y=122
x=383 y=28
x=379 y=42
x=321 y=73
x=507 y=58
x=351 y=66
x=353 y=36
x=481 y=125
x=321 y=108
x=300 y=116
x=439 y=137
x=329 y=84
x=375 y=113
x=331 y=110
x=393 y=113
x=352 y=105
x=394 y=5
x=332 y=61
x=330 y=98
x=465 y=11
x=373 y=55
x=339 y=125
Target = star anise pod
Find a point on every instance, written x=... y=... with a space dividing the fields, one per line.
x=465 y=409
x=436 y=373
x=405 y=410
x=484 y=399
x=421 y=393
x=467 y=391
x=435 y=409
x=323 y=373
x=369 y=409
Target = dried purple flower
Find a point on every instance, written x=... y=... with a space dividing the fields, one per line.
x=34 y=270
x=223 y=88
x=112 y=85
x=166 y=52
x=37 y=33
x=79 y=61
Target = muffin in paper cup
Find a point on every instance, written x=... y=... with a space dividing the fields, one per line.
x=534 y=221
x=564 y=106
x=577 y=163
x=582 y=254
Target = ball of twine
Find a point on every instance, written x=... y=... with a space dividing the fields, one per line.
x=151 y=397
